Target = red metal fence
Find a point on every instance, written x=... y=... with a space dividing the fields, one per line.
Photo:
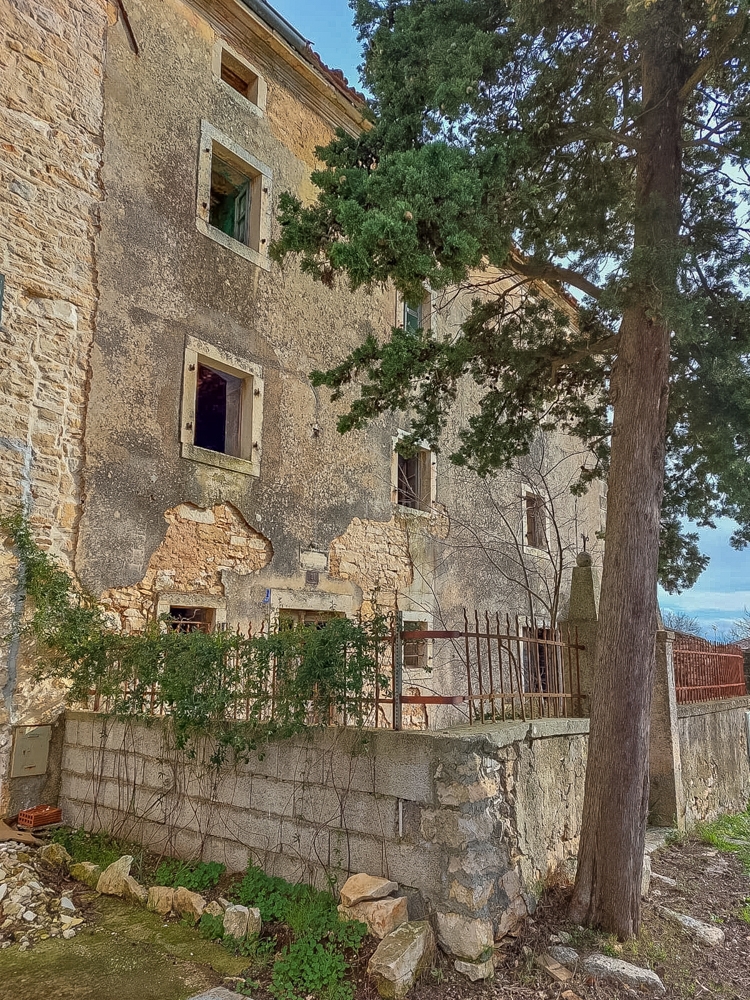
x=488 y=669
x=705 y=671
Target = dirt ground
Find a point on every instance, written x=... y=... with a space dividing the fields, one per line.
x=125 y=952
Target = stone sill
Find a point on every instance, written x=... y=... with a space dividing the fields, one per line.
x=712 y=707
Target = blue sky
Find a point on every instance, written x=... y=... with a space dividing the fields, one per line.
x=723 y=591
x=328 y=25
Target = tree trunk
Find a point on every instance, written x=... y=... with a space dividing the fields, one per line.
x=610 y=861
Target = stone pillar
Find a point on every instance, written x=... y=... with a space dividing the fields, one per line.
x=581 y=619
x=667 y=793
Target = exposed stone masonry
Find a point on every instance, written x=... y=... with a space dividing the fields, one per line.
x=198 y=546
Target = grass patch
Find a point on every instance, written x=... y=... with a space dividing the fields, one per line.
x=100 y=848
x=197 y=876
x=729 y=833
x=315 y=960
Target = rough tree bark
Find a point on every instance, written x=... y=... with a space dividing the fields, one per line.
x=607 y=889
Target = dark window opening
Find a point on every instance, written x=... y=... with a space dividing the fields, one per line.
x=542 y=660
x=218 y=411
x=536 y=522
x=191 y=619
x=413 y=484
x=231 y=192
x=290 y=617
x=415 y=650
x=239 y=77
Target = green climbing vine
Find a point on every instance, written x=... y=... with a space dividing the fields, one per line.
x=239 y=690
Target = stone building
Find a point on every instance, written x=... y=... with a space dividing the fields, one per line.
x=156 y=415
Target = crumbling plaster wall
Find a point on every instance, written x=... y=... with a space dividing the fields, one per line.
x=199 y=547
x=51 y=68
x=468 y=823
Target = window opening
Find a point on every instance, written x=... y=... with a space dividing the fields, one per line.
x=239 y=77
x=415 y=650
x=311 y=619
x=536 y=521
x=542 y=661
x=413 y=316
x=218 y=411
x=191 y=619
x=229 y=209
x=414 y=480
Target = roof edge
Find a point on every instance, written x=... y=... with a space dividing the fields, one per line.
x=304 y=48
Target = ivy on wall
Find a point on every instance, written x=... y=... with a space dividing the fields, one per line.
x=239 y=690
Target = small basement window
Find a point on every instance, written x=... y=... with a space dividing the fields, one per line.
x=414 y=480
x=183 y=619
x=239 y=76
x=222 y=409
x=415 y=650
x=535 y=521
x=290 y=617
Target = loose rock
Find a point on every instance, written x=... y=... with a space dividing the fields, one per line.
x=464 y=937
x=697 y=929
x=401 y=958
x=86 y=872
x=254 y=922
x=160 y=899
x=476 y=970
x=382 y=916
x=604 y=967
x=365 y=887
x=565 y=956
x=213 y=909
x=235 y=922
x=55 y=854
x=112 y=881
x=189 y=904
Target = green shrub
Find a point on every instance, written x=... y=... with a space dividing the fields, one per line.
x=99 y=848
x=315 y=962
x=196 y=876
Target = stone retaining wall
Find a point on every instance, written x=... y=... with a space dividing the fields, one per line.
x=715 y=756
x=467 y=821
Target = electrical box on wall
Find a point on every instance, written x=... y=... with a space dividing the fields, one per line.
x=30 y=751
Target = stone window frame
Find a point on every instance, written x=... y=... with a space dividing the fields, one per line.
x=527 y=491
x=169 y=599
x=283 y=598
x=257 y=106
x=251 y=427
x=423 y=446
x=421 y=616
x=261 y=180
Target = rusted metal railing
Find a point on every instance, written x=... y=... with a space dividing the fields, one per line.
x=705 y=671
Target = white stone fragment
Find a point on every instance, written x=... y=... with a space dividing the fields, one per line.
x=703 y=933
x=235 y=922
x=69 y=933
x=67 y=905
x=614 y=969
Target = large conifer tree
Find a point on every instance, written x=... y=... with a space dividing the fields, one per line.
x=601 y=146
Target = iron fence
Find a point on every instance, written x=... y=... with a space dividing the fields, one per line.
x=705 y=671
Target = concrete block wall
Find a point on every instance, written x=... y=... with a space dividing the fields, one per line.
x=467 y=821
x=715 y=754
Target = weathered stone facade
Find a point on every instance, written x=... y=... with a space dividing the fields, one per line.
x=119 y=286
x=51 y=138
